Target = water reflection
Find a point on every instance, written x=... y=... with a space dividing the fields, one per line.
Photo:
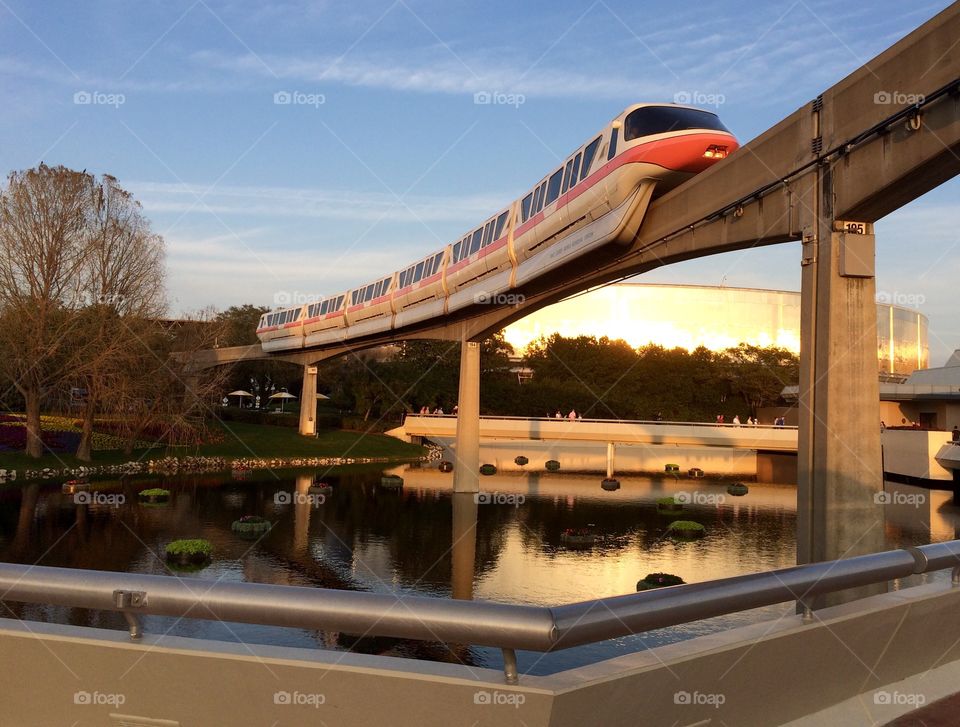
x=423 y=539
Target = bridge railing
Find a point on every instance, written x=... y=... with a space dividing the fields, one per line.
x=505 y=626
x=563 y=419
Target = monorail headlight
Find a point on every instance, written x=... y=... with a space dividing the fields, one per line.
x=716 y=151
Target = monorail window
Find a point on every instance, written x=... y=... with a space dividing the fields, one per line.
x=651 y=120
x=403 y=278
x=537 y=200
x=566 y=176
x=525 y=207
x=588 y=154
x=501 y=222
x=418 y=273
x=612 y=151
x=436 y=261
x=339 y=303
x=576 y=170
x=553 y=188
x=456 y=252
x=369 y=294
x=475 y=243
x=488 y=233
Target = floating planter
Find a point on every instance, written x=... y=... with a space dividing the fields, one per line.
x=610 y=484
x=488 y=469
x=391 y=482
x=686 y=529
x=520 y=460
x=659 y=580
x=668 y=504
x=251 y=525
x=737 y=489
x=695 y=472
x=189 y=552
x=154 y=494
x=552 y=465
x=671 y=468
x=577 y=537
x=446 y=466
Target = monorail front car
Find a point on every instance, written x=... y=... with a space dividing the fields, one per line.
x=602 y=189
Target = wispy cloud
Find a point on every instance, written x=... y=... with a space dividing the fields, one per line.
x=335 y=204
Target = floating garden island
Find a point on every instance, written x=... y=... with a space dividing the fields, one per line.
x=737 y=489
x=687 y=529
x=154 y=495
x=251 y=525
x=193 y=553
x=659 y=580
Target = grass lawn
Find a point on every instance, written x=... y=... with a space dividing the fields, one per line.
x=242 y=440
x=259 y=440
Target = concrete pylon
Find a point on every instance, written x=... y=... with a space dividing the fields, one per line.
x=308 y=402
x=464 y=545
x=466 y=470
x=840 y=472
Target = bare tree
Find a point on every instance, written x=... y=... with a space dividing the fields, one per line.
x=44 y=246
x=124 y=286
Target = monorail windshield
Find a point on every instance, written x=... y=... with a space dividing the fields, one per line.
x=650 y=120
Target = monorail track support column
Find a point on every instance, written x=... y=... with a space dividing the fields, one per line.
x=308 y=402
x=839 y=465
x=466 y=470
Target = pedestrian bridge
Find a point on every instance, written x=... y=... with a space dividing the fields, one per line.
x=761 y=438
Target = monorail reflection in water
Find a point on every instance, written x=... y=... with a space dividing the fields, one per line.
x=425 y=540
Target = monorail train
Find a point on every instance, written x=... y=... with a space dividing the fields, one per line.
x=600 y=191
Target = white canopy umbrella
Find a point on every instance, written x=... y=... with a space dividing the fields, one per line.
x=240 y=393
x=282 y=395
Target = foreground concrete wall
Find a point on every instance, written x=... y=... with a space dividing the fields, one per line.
x=852 y=660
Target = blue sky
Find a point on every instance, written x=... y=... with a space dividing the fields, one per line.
x=382 y=154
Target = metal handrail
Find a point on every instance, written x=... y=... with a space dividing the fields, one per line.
x=564 y=419
x=486 y=623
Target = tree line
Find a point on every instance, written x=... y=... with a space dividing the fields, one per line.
x=599 y=378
